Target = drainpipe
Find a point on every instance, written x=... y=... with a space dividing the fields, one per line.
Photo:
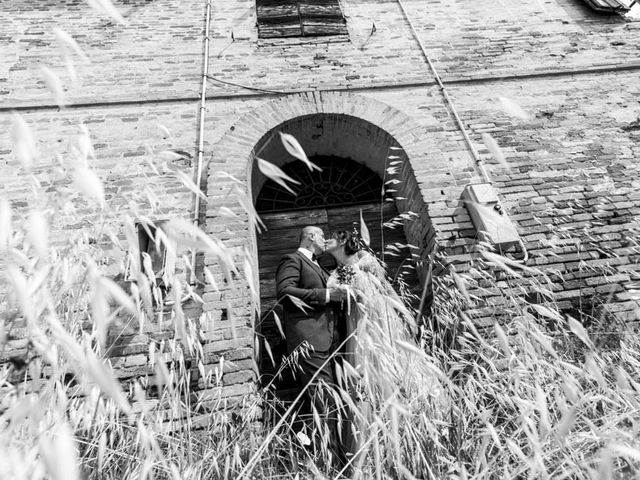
x=199 y=161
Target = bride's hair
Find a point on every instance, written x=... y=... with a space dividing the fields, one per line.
x=350 y=241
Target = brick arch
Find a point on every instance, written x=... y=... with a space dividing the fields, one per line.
x=233 y=156
x=327 y=134
x=233 y=153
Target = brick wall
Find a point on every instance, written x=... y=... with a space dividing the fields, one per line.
x=572 y=182
x=155 y=54
x=570 y=187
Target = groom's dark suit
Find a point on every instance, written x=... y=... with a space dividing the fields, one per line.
x=300 y=277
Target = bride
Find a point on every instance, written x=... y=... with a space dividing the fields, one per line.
x=375 y=316
x=387 y=376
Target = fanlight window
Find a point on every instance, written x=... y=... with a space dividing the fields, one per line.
x=341 y=182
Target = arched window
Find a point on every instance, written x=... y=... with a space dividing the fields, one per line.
x=341 y=182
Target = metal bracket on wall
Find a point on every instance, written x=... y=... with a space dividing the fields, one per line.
x=488 y=216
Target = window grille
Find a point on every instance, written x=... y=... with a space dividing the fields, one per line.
x=341 y=182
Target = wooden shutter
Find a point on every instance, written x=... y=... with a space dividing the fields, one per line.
x=607 y=5
x=296 y=18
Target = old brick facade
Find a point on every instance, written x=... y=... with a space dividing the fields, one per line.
x=572 y=175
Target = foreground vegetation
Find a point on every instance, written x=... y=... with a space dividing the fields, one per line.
x=532 y=395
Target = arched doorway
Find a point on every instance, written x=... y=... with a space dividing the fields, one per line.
x=332 y=199
x=340 y=124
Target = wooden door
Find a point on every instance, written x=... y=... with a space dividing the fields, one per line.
x=281 y=237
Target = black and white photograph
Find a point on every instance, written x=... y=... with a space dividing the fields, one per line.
x=319 y=239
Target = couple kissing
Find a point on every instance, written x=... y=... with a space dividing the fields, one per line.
x=345 y=322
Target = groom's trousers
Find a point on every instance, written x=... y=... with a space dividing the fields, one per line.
x=320 y=395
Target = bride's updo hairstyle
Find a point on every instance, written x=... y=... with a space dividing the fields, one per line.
x=351 y=242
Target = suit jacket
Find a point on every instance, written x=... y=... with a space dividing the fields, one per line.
x=299 y=277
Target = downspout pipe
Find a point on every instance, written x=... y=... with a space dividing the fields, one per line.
x=200 y=156
x=474 y=153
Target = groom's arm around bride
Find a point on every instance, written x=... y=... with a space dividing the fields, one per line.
x=300 y=276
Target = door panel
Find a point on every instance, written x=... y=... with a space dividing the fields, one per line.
x=281 y=236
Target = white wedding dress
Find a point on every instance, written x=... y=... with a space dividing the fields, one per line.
x=376 y=317
x=384 y=369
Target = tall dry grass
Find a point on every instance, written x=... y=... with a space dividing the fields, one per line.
x=531 y=396
x=535 y=396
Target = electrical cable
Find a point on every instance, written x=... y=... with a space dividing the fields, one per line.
x=463 y=130
x=256 y=89
x=525 y=252
x=474 y=153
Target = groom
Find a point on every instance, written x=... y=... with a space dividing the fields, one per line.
x=300 y=276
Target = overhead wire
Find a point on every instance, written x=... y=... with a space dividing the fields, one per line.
x=255 y=89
